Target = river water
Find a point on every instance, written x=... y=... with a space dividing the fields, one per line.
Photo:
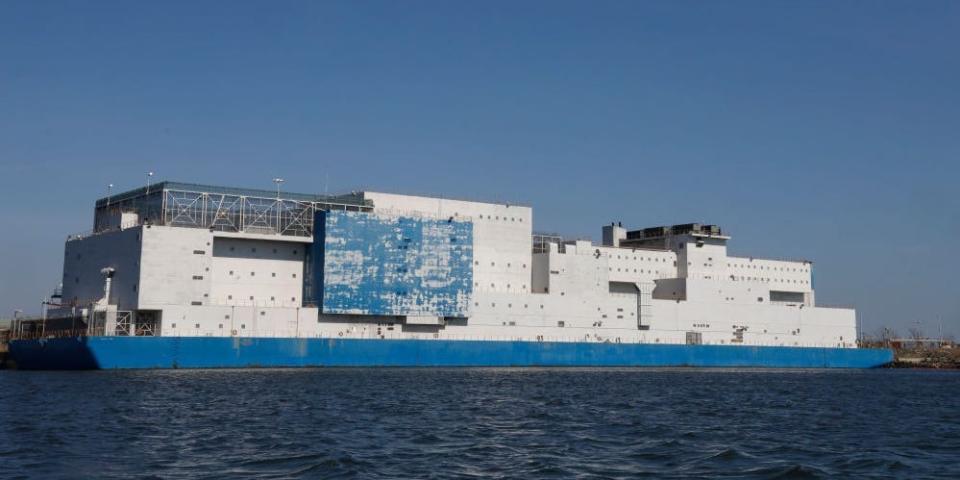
x=483 y=423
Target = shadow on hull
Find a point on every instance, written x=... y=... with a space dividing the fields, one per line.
x=88 y=353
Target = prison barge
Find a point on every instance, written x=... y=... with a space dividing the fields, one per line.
x=178 y=275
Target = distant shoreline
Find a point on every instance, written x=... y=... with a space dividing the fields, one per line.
x=936 y=359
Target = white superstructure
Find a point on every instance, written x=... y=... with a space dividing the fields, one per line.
x=184 y=264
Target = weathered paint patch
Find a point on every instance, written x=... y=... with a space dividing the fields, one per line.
x=377 y=264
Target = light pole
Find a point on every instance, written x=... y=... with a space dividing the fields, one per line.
x=109 y=194
x=149 y=175
x=278 y=181
x=859 y=329
x=16 y=320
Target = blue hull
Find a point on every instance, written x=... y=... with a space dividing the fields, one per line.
x=225 y=352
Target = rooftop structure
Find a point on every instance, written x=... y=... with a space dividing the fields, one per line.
x=219 y=208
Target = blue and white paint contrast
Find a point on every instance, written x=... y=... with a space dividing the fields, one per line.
x=387 y=279
x=376 y=264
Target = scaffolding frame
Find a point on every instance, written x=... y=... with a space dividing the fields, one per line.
x=124 y=327
x=224 y=209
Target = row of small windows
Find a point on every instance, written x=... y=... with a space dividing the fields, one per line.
x=649 y=259
x=765 y=267
x=272 y=299
x=243 y=326
x=509 y=305
x=494 y=264
x=497 y=217
x=765 y=279
x=627 y=270
x=272 y=274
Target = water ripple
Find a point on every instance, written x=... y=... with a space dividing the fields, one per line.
x=480 y=423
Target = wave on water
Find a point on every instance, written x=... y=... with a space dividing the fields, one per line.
x=480 y=423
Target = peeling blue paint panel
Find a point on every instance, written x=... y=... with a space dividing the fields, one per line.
x=376 y=264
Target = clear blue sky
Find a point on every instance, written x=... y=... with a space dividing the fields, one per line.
x=821 y=130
